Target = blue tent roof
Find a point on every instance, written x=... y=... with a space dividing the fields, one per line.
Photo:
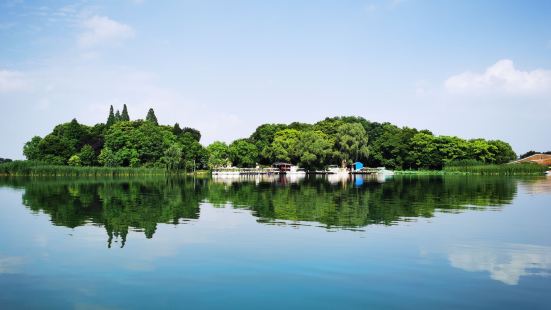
x=358 y=165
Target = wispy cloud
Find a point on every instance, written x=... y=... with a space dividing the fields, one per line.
x=101 y=30
x=506 y=264
x=10 y=264
x=501 y=77
x=12 y=81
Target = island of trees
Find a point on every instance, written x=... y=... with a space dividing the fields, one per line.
x=122 y=142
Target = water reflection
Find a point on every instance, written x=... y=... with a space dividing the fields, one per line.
x=10 y=264
x=139 y=204
x=506 y=263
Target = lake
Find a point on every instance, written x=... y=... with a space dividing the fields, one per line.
x=276 y=243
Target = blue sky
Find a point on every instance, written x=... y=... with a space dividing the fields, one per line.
x=465 y=68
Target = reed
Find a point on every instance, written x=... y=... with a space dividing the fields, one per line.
x=31 y=168
x=505 y=169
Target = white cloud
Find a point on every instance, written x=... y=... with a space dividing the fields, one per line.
x=10 y=264
x=502 y=77
x=506 y=264
x=103 y=30
x=11 y=81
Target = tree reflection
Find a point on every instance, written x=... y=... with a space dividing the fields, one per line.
x=119 y=205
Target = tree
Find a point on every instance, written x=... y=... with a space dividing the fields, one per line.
x=481 y=150
x=351 y=142
x=528 y=154
x=243 y=153
x=313 y=148
x=118 y=116
x=193 y=132
x=173 y=157
x=74 y=161
x=424 y=151
x=107 y=158
x=124 y=115
x=263 y=137
x=5 y=160
x=284 y=146
x=176 y=130
x=31 y=149
x=151 y=117
x=504 y=152
x=139 y=141
x=219 y=155
x=111 y=118
x=87 y=155
x=194 y=155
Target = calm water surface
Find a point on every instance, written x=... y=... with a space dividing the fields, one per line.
x=404 y=242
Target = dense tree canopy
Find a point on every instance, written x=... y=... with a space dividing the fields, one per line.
x=119 y=142
x=4 y=160
x=332 y=141
x=219 y=155
x=243 y=153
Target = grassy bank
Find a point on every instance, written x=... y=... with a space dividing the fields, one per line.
x=506 y=169
x=29 y=168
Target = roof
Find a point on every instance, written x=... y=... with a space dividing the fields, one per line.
x=542 y=159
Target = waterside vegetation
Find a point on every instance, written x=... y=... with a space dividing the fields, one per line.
x=122 y=146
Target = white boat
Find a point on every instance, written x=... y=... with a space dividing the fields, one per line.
x=295 y=170
x=230 y=171
x=334 y=169
x=384 y=171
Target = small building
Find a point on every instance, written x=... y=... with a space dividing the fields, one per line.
x=282 y=167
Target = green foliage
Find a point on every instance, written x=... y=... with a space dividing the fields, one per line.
x=193 y=132
x=138 y=142
x=503 y=169
x=151 y=117
x=503 y=152
x=124 y=115
x=351 y=143
x=111 y=118
x=263 y=137
x=173 y=157
x=108 y=159
x=74 y=161
x=194 y=155
x=314 y=148
x=219 y=155
x=31 y=149
x=5 y=160
x=335 y=140
x=284 y=146
x=243 y=153
x=176 y=130
x=87 y=155
x=35 y=168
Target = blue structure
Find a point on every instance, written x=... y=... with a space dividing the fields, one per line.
x=358 y=166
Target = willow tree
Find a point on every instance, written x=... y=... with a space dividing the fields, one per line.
x=351 y=142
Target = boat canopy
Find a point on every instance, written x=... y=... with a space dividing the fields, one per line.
x=358 y=165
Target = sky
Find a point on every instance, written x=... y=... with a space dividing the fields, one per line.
x=473 y=69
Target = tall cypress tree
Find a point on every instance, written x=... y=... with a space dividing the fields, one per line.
x=151 y=117
x=124 y=115
x=111 y=118
x=117 y=116
x=176 y=129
